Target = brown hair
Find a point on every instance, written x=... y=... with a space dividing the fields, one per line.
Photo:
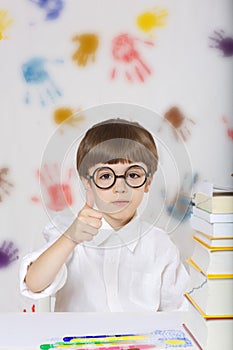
x=116 y=140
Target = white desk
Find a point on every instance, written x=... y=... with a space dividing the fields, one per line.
x=29 y=330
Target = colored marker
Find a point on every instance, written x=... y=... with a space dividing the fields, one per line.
x=62 y=345
x=109 y=339
x=97 y=336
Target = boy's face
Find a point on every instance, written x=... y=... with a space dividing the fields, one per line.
x=119 y=202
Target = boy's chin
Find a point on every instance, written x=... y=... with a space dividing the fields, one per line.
x=113 y=208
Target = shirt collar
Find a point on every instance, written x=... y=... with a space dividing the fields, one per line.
x=127 y=236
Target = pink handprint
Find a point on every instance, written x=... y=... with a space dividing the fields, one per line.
x=57 y=194
x=229 y=128
x=125 y=53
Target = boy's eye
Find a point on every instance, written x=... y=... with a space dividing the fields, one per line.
x=105 y=176
x=133 y=175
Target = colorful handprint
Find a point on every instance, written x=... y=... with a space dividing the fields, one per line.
x=125 y=54
x=8 y=253
x=5 y=185
x=222 y=42
x=180 y=207
x=149 y=20
x=52 y=8
x=68 y=115
x=87 y=47
x=39 y=81
x=57 y=195
x=5 y=22
x=229 y=129
x=179 y=122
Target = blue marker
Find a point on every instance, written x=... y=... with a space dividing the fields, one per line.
x=68 y=339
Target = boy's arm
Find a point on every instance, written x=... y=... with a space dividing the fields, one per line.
x=42 y=272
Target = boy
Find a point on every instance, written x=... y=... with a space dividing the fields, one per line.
x=107 y=258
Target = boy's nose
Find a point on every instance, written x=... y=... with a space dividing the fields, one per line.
x=120 y=185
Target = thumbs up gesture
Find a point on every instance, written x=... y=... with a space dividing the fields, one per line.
x=87 y=223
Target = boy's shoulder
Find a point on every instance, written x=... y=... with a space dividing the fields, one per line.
x=152 y=230
x=155 y=236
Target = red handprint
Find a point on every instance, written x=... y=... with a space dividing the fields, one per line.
x=125 y=53
x=57 y=194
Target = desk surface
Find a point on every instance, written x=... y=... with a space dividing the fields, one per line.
x=30 y=330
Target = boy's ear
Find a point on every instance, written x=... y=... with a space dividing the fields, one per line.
x=148 y=183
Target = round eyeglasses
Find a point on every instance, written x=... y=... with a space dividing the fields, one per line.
x=104 y=177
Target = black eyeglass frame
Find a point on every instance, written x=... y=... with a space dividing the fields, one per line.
x=92 y=177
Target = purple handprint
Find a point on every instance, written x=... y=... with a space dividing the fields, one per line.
x=39 y=81
x=8 y=253
x=222 y=42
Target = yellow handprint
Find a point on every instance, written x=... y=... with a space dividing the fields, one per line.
x=5 y=22
x=151 y=19
x=88 y=44
x=68 y=115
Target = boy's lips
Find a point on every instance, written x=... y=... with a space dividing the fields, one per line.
x=120 y=202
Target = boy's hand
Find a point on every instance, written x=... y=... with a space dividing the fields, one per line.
x=87 y=223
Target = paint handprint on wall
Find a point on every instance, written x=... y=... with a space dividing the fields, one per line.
x=128 y=59
x=68 y=115
x=179 y=123
x=149 y=20
x=8 y=254
x=51 y=8
x=229 y=129
x=5 y=184
x=224 y=43
x=87 y=46
x=180 y=207
x=5 y=23
x=57 y=195
x=39 y=82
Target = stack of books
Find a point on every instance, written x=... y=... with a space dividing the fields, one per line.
x=210 y=294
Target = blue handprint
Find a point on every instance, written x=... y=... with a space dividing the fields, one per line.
x=39 y=81
x=52 y=8
x=180 y=208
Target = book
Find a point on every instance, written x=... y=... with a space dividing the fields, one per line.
x=210 y=217
x=213 y=261
x=213 y=296
x=211 y=189
x=219 y=202
x=208 y=333
x=210 y=242
x=216 y=229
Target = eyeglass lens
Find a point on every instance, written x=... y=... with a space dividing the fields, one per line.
x=105 y=177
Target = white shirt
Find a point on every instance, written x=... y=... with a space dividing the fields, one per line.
x=136 y=268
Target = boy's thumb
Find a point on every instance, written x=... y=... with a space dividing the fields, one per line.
x=90 y=201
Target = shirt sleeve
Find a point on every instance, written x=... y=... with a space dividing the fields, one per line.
x=175 y=279
x=51 y=233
